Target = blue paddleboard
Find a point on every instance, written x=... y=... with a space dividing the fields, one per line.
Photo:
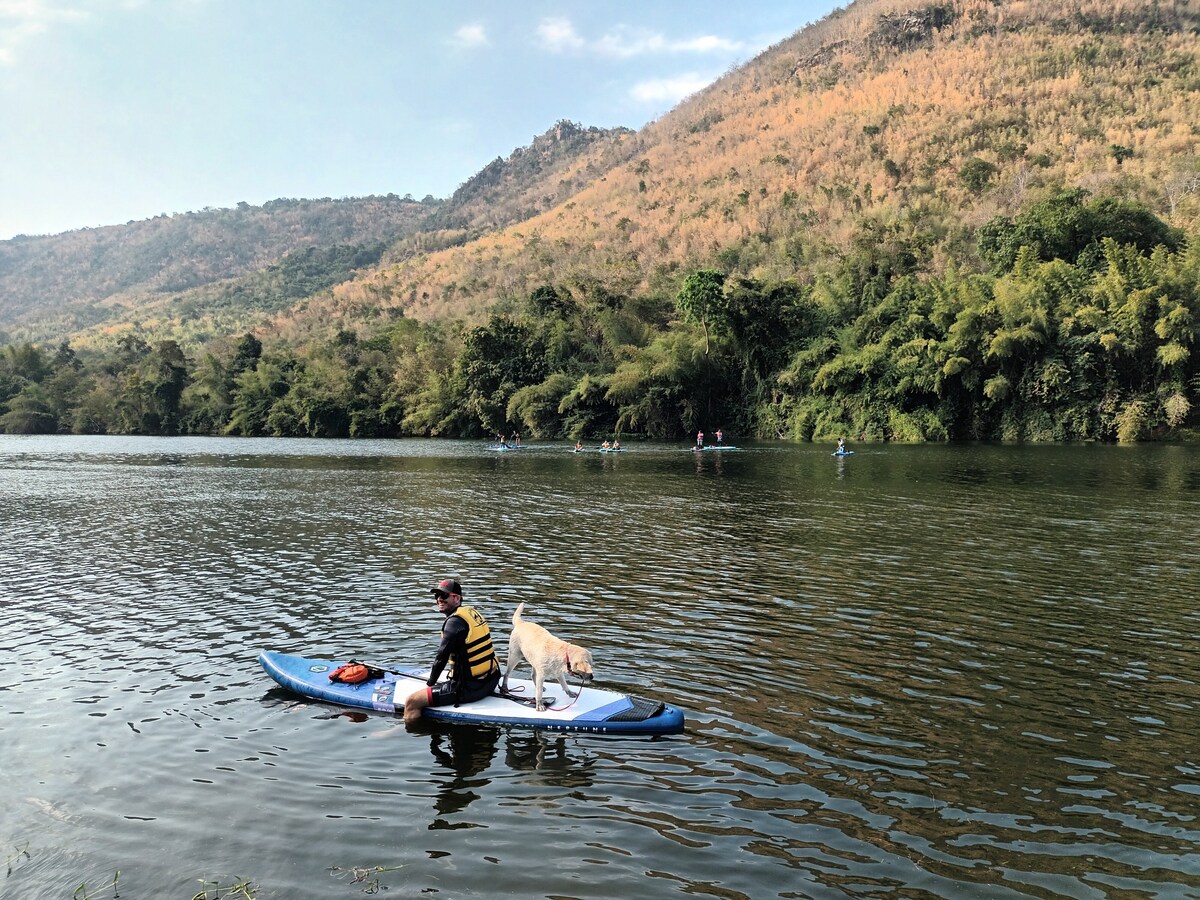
x=594 y=711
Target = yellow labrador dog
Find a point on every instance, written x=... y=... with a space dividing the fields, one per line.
x=549 y=657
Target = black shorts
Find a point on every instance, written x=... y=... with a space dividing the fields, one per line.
x=450 y=693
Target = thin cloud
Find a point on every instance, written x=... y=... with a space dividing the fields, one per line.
x=624 y=42
x=472 y=35
x=558 y=35
x=708 y=43
x=21 y=20
x=669 y=90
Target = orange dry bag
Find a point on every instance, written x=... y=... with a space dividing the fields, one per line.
x=354 y=673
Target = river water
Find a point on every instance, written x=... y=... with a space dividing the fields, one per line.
x=937 y=671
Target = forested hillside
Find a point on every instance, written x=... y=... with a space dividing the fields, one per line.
x=534 y=179
x=963 y=220
x=887 y=123
x=205 y=274
x=57 y=285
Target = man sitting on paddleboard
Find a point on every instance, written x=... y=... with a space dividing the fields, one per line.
x=466 y=647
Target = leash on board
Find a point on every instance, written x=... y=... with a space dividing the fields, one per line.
x=514 y=694
x=574 y=700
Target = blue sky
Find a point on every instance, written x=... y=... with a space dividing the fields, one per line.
x=116 y=110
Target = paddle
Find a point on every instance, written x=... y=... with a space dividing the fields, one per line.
x=359 y=662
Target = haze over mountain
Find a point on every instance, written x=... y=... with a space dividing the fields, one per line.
x=887 y=124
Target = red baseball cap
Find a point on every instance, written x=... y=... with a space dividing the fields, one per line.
x=447 y=586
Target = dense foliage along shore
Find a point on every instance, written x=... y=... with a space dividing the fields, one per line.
x=1084 y=329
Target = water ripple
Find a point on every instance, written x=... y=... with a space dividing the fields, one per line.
x=921 y=672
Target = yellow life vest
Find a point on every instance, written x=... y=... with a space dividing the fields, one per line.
x=481 y=655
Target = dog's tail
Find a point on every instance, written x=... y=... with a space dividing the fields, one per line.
x=517 y=613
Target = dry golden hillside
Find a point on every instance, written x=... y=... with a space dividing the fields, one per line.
x=885 y=120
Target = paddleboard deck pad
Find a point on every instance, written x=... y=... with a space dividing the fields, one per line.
x=595 y=711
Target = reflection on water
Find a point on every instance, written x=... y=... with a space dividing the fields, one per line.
x=465 y=753
x=933 y=671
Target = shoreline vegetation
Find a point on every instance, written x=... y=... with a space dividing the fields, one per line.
x=1082 y=327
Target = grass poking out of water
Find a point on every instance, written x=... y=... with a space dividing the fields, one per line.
x=81 y=892
x=16 y=855
x=368 y=875
x=241 y=887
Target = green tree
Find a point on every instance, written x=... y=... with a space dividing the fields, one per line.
x=656 y=389
x=166 y=375
x=701 y=301
x=208 y=397
x=1063 y=226
x=537 y=406
x=29 y=412
x=585 y=408
x=26 y=361
x=976 y=174
x=496 y=360
x=548 y=301
x=246 y=355
x=255 y=395
x=96 y=412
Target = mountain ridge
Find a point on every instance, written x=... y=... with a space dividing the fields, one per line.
x=887 y=122
x=884 y=121
x=53 y=286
